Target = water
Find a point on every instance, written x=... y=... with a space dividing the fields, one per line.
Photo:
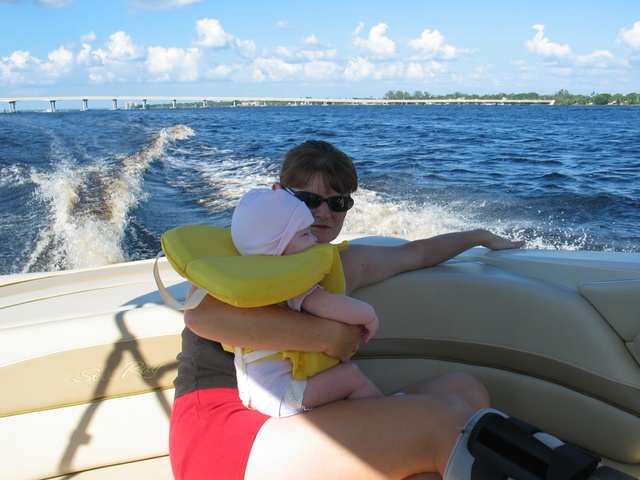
x=81 y=189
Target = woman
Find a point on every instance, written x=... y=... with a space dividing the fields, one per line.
x=214 y=436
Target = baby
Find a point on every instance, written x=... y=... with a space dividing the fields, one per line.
x=274 y=222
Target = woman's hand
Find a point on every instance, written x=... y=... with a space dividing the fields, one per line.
x=344 y=342
x=495 y=242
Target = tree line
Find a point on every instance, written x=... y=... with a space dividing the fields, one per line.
x=561 y=97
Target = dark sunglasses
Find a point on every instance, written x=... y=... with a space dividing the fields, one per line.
x=311 y=200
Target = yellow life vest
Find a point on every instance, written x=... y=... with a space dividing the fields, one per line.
x=206 y=256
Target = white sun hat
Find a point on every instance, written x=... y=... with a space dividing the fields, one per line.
x=265 y=221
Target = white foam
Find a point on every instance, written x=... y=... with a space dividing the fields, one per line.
x=373 y=214
x=90 y=205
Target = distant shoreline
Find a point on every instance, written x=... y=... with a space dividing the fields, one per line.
x=133 y=102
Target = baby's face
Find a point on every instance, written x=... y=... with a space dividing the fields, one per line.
x=302 y=240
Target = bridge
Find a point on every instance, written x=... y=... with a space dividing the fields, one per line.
x=204 y=100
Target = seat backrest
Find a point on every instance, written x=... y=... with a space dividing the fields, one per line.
x=86 y=370
x=545 y=352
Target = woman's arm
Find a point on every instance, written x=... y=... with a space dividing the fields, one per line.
x=272 y=328
x=366 y=265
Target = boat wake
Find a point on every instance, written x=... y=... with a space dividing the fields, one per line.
x=90 y=206
x=377 y=214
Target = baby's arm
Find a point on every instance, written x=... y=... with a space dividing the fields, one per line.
x=342 y=309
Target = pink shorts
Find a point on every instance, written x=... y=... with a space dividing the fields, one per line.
x=211 y=435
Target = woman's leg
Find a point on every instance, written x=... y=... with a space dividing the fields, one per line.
x=392 y=437
x=457 y=385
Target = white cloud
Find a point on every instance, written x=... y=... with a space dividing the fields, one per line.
x=276 y=69
x=217 y=55
x=542 y=46
x=59 y=63
x=121 y=60
x=246 y=73
x=14 y=69
x=377 y=43
x=245 y=48
x=483 y=71
x=283 y=24
x=174 y=64
x=286 y=52
x=42 y=3
x=390 y=70
x=19 y=59
x=161 y=4
x=55 y=3
x=597 y=59
x=431 y=45
x=422 y=71
x=306 y=54
x=321 y=70
x=23 y=68
x=286 y=65
x=102 y=76
x=563 y=67
x=85 y=57
x=320 y=54
x=219 y=71
x=212 y=34
x=120 y=48
x=566 y=58
x=310 y=40
x=380 y=58
x=88 y=37
x=360 y=68
x=630 y=37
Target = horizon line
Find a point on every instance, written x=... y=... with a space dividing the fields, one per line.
x=203 y=99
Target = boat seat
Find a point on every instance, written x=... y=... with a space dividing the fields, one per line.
x=157 y=468
x=87 y=361
x=545 y=353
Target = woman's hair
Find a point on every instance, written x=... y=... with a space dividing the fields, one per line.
x=303 y=162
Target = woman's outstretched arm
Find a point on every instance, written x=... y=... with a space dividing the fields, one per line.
x=367 y=264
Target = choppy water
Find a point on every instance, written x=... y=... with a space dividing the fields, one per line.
x=81 y=189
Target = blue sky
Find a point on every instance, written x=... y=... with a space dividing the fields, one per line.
x=298 y=48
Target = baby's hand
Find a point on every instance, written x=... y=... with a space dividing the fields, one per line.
x=370 y=328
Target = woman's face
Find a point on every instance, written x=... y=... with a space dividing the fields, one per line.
x=326 y=223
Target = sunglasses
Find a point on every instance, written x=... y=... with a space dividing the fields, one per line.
x=311 y=200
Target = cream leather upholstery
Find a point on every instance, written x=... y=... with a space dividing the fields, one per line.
x=87 y=358
x=87 y=362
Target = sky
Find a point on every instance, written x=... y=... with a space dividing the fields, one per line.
x=326 y=49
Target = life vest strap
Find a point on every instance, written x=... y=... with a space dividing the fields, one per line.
x=192 y=300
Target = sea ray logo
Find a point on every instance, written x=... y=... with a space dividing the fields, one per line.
x=130 y=370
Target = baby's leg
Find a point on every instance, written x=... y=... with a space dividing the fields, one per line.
x=345 y=380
